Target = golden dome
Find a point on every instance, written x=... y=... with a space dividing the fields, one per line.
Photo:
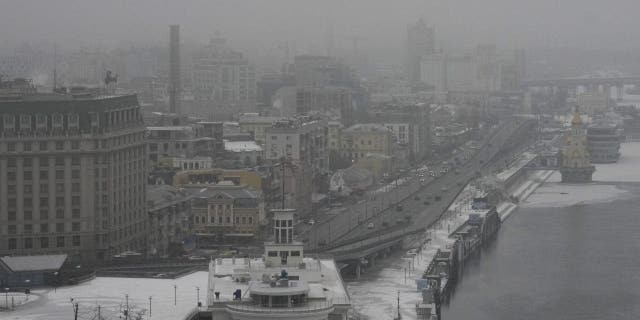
x=577 y=120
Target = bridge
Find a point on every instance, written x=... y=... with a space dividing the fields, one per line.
x=589 y=83
x=419 y=209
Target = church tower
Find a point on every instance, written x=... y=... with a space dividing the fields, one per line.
x=576 y=165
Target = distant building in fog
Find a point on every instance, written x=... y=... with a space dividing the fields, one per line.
x=420 y=42
x=223 y=80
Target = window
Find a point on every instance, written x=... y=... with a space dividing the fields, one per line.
x=44 y=214
x=237 y=220
x=76 y=241
x=250 y=220
x=228 y=219
x=59 y=145
x=59 y=161
x=274 y=137
x=44 y=227
x=244 y=220
x=59 y=174
x=11 y=146
x=11 y=162
x=75 y=226
x=75 y=174
x=11 y=176
x=28 y=228
x=59 y=227
x=12 y=229
x=44 y=188
x=75 y=187
x=11 y=189
x=13 y=244
x=44 y=242
x=75 y=161
x=27 y=188
x=27 y=162
x=59 y=213
x=28 y=215
x=295 y=253
x=42 y=146
x=28 y=243
x=272 y=253
x=60 y=241
x=75 y=145
x=220 y=220
x=28 y=175
x=11 y=203
x=59 y=201
x=44 y=175
x=59 y=189
x=12 y=216
x=75 y=200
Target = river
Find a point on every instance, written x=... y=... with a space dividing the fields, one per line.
x=569 y=252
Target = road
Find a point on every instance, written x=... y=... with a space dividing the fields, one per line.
x=352 y=223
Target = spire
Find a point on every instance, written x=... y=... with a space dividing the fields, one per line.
x=577 y=119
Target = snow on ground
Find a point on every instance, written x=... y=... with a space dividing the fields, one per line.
x=377 y=299
x=109 y=293
x=625 y=170
x=390 y=186
x=604 y=189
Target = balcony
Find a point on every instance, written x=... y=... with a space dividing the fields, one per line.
x=323 y=306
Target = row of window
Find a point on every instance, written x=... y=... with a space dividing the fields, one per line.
x=44 y=228
x=28 y=146
x=28 y=243
x=44 y=188
x=43 y=161
x=238 y=220
x=44 y=202
x=27 y=215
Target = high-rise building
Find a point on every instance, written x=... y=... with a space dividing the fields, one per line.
x=174 y=68
x=224 y=80
x=420 y=42
x=72 y=175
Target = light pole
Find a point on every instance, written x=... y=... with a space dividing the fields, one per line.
x=55 y=286
x=197 y=296
x=6 y=298
x=175 y=294
x=149 y=307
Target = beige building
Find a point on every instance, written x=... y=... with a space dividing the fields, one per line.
x=362 y=139
x=226 y=212
x=72 y=176
x=256 y=125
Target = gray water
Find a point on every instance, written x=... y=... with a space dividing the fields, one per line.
x=578 y=262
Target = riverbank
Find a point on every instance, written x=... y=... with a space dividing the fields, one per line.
x=567 y=253
x=375 y=295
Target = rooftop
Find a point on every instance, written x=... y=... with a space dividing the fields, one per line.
x=34 y=263
x=241 y=146
x=161 y=195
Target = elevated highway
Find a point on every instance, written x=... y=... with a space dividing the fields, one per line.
x=420 y=207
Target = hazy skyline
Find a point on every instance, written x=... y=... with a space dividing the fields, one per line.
x=259 y=26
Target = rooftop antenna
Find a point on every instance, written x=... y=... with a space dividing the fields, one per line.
x=55 y=66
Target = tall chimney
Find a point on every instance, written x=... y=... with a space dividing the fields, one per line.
x=174 y=68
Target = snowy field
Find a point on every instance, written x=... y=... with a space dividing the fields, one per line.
x=603 y=189
x=110 y=293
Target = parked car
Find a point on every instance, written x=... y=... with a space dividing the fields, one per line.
x=370 y=225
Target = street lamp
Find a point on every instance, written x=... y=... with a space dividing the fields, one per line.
x=6 y=298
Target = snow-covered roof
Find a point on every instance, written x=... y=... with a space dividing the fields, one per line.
x=35 y=263
x=242 y=146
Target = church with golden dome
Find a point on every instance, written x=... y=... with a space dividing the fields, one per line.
x=575 y=165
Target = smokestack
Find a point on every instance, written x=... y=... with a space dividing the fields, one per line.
x=174 y=68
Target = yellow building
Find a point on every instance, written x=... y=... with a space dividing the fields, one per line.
x=375 y=163
x=362 y=139
x=214 y=176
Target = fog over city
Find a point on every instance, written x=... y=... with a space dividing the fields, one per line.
x=319 y=159
x=259 y=26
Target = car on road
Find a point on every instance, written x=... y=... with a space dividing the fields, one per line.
x=437 y=198
x=426 y=203
x=311 y=222
x=196 y=258
x=399 y=207
x=370 y=225
x=416 y=198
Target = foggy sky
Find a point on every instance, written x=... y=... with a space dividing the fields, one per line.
x=259 y=26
